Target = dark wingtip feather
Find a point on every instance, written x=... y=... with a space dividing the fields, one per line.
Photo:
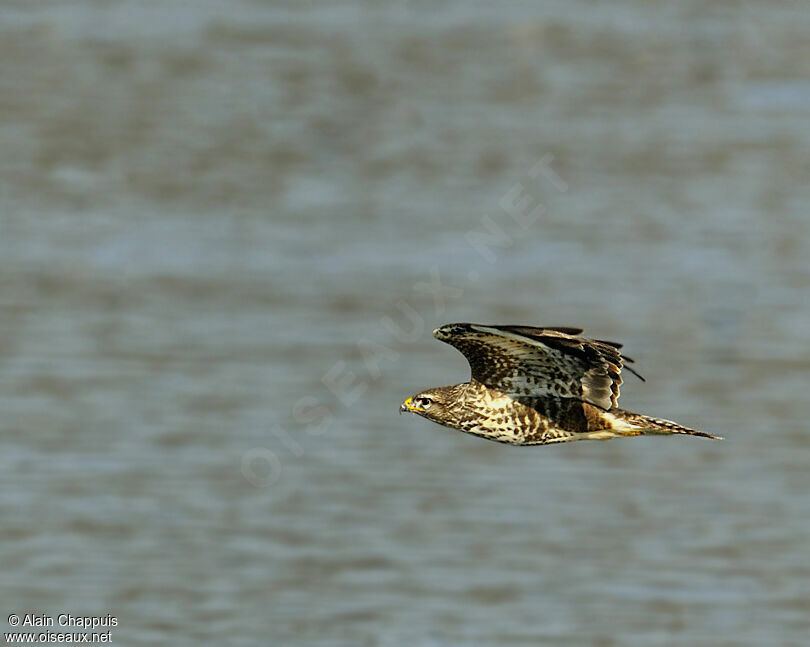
x=615 y=344
x=638 y=375
x=566 y=330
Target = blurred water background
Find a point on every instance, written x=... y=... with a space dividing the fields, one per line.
x=222 y=227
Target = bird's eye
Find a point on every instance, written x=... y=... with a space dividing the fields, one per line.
x=424 y=403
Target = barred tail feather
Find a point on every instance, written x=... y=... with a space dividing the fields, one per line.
x=638 y=424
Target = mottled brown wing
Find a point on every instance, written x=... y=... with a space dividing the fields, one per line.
x=524 y=361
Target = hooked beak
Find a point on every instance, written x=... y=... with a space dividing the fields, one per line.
x=408 y=405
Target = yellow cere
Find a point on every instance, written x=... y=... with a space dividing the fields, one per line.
x=410 y=405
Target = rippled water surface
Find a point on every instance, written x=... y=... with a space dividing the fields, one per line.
x=226 y=232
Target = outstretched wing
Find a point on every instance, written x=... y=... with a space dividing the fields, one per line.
x=523 y=361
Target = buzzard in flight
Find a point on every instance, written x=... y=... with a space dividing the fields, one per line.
x=535 y=386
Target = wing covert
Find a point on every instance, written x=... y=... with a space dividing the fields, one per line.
x=525 y=361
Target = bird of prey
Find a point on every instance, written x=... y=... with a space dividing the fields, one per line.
x=536 y=386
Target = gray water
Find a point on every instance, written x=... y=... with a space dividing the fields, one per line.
x=222 y=226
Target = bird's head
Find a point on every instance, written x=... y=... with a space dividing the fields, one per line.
x=432 y=404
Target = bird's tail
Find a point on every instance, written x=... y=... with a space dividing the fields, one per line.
x=638 y=424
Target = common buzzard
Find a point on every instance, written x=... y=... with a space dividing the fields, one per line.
x=535 y=386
